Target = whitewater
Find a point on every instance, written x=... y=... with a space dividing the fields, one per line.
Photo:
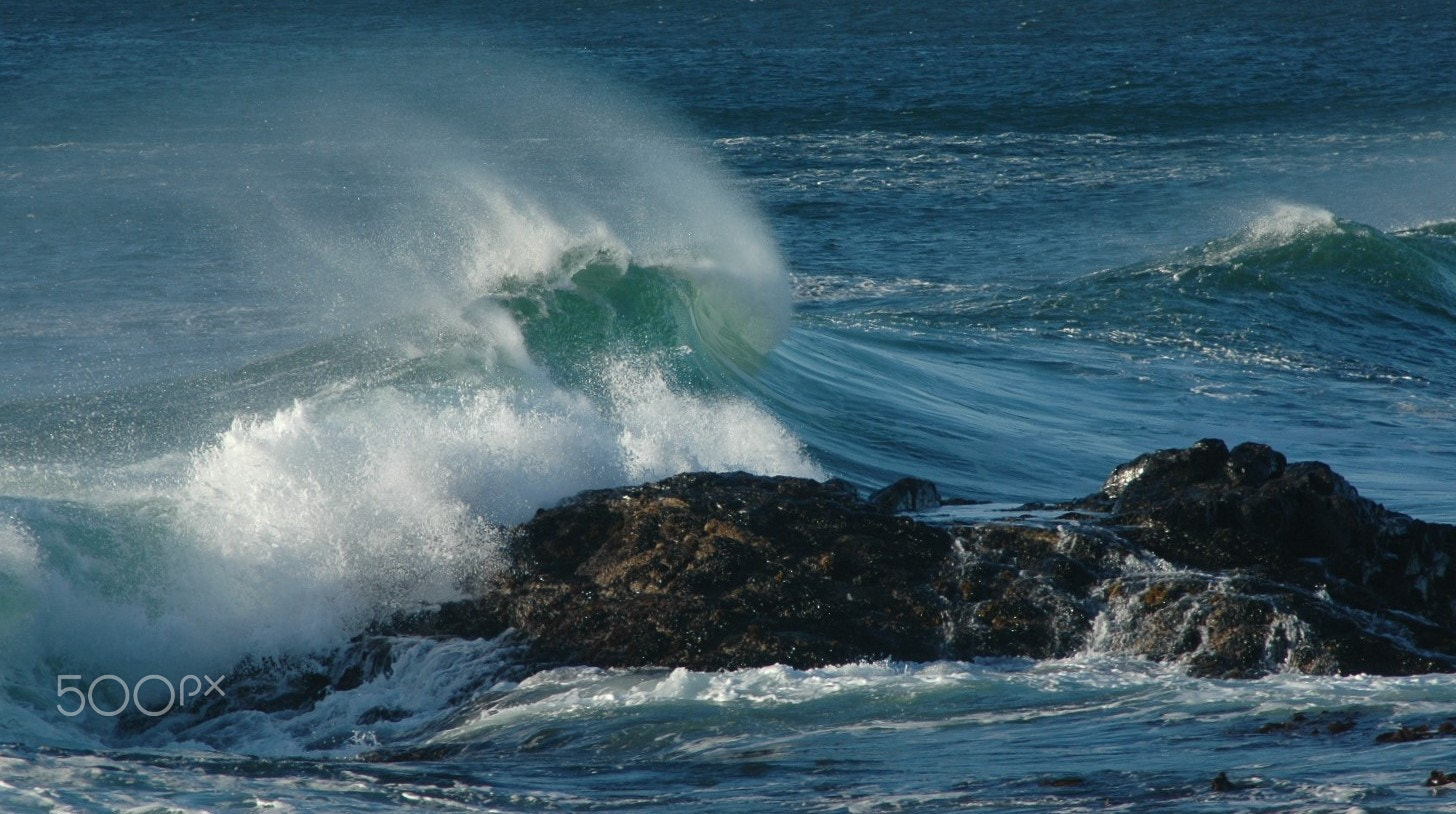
x=301 y=310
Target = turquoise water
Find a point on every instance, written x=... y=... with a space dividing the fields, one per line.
x=298 y=308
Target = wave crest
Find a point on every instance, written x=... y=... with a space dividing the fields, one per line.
x=501 y=310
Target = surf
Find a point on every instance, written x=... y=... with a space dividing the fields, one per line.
x=501 y=303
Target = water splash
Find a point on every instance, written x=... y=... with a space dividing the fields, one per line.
x=510 y=297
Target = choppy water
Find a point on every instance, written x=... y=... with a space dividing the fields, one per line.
x=297 y=307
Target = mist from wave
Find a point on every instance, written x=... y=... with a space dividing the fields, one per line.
x=502 y=303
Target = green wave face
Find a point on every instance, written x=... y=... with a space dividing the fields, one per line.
x=697 y=329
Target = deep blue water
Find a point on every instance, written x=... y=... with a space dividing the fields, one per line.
x=298 y=305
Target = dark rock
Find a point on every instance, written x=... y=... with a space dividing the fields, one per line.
x=715 y=571
x=962 y=501
x=907 y=495
x=1322 y=723
x=1061 y=782
x=1406 y=734
x=1221 y=783
x=1419 y=732
x=1252 y=465
x=1339 y=727
x=481 y=617
x=1021 y=591
x=1299 y=523
x=1244 y=626
x=1234 y=563
x=1284 y=566
x=1166 y=469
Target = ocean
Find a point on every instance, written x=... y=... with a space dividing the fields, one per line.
x=301 y=305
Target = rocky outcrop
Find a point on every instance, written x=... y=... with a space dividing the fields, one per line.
x=1214 y=508
x=1232 y=562
x=715 y=571
x=1360 y=588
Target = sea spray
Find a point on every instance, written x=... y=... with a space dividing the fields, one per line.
x=508 y=302
x=540 y=172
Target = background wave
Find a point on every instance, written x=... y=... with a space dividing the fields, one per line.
x=1299 y=327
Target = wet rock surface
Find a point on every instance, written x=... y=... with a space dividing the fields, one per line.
x=1359 y=588
x=714 y=571
x=1232 y=562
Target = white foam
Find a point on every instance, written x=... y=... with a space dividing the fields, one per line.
x=288 y=532
x=20 y=573
x=588 y=691
x=426 y=676
x=521 y=241
x=1289 y=221
x=306 y=522
x=1279 y=225
x=663 y=432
